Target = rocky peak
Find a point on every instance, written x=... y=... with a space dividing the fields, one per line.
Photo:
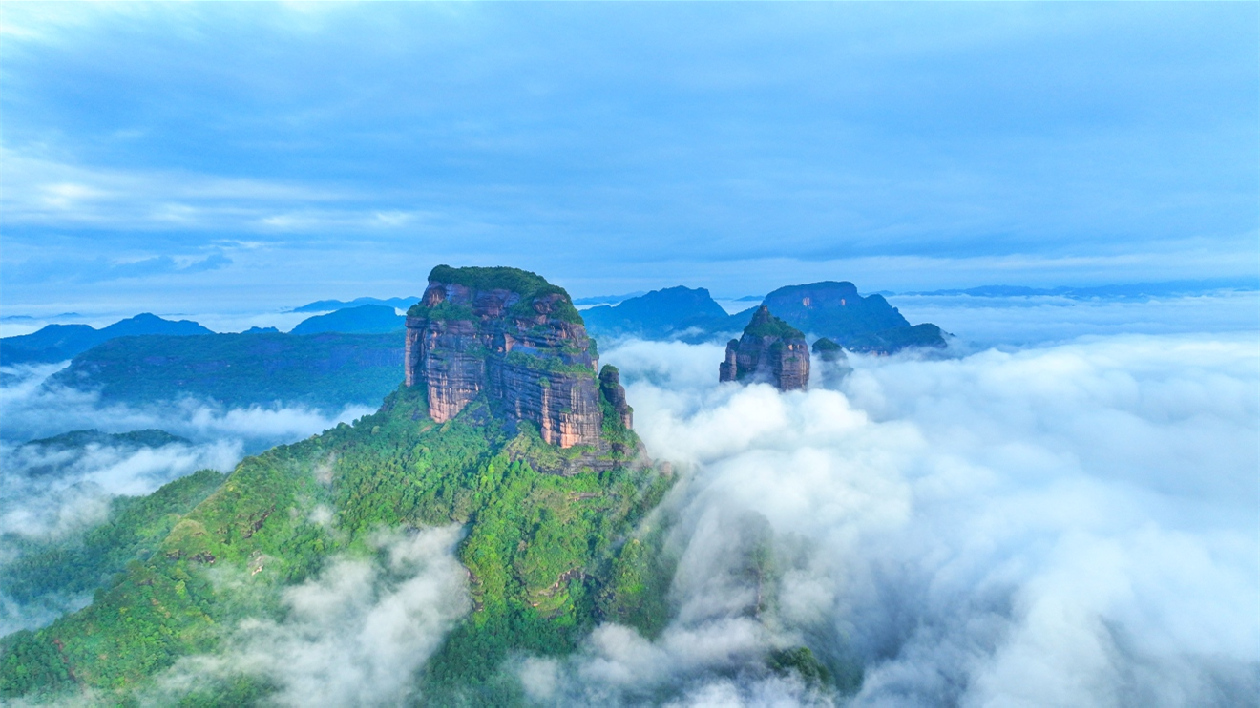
x=615 y=395
x=770 y=351
x=518 y=340
x=833 y=363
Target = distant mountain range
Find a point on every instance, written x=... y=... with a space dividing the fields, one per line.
x=365 y=336
x=327 y=370
x=56 y=343
x=401 y=303
x=829 y=309
x=682 y=313
x=363 y=319
x=1105 y=292
x=60 y=342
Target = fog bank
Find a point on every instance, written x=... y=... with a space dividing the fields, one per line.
x=1064 y=525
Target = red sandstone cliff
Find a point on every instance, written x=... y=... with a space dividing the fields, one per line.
x=511 y=336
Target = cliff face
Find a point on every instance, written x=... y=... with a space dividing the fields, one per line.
x=518 y=340
x=771 y=351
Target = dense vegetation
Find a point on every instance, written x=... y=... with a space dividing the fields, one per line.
x=890 y=340
x=548 y=555
x=328 y=371
x=82 y=562
x=76 y=439
x=764 y=324
x=530 y=286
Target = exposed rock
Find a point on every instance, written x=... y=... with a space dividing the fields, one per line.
x=771 y=351
x=513 y=337
x=833 y=363
x=610 y=387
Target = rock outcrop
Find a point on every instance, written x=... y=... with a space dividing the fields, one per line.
x=833 y=363
x=610 y=387
x=771 y=351
x=513 y=337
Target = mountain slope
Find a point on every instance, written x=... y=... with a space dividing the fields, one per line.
x=547 y=555
x=328 y=371
x=362 y=319
x=689 y=314
x=60 y=342
x=838 y=312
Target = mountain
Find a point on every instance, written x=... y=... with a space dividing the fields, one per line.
x=828 y=309
x=687 y=314
x=770 y=351
x=56 y=343
x=327 y=371
x=137 y=439
x=401 y=303
x=361 y=319
x=606 y=299
x=501 y=426
x=832 y=362
x=1125 y=291
x=836 y=311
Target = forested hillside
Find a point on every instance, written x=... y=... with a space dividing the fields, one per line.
x=547 y=555
x=328 y=370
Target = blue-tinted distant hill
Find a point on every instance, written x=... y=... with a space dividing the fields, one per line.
x=401 y=303
x=606 y=299
x=363 y=319
x=329 y=370
x=61 y=342
x=838 y=312
x=1125 y=291
x=682 y=313
x=829 y=309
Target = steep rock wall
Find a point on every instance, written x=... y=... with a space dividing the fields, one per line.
x=770 y=351
x=514 y=338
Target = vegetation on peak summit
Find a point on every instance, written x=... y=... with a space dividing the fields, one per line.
x=764 y=324
x=531 y=287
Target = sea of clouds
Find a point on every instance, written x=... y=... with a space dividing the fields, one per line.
x=1071 y=522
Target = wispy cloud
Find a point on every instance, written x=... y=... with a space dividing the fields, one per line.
x=353 y=636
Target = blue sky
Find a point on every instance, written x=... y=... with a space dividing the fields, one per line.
x=268 y=155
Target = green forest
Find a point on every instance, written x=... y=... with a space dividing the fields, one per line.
x=329 y=370
x=548 y=555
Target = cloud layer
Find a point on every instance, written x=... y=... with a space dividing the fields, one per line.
x=354 y=636
x=1067 y=525
x=53 y=493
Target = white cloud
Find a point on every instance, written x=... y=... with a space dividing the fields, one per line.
x=1066 y=525
x=354 y=635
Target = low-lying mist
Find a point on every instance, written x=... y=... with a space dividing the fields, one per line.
x=1070 y=524
x=53 y=492
x=1067 y=525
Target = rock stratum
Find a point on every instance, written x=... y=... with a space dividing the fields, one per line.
x=510 y=335
x=770 y=351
